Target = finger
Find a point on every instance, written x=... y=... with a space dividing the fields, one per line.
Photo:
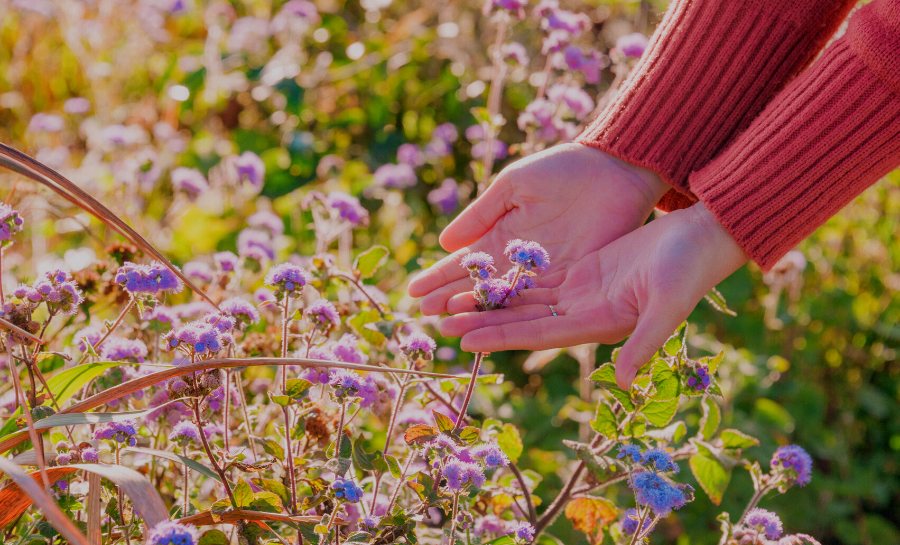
x=541 y=334
x=440 y=274
x=652 y=331
x=461 y=324
x=536 y=296
x=478 y=218
x=436 y=302
x=462 y=302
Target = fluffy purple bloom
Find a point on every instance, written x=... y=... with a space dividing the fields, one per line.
x=568 y=21
x=184 y=433
x=255 y=244
x=226 y=261
x=223 y=323
x=240 y=309
x=119 y=348
x=197 y=337
x=163 y=315
x=395 y=176
x=630 y=521
x=655 y=491
x=446 y=132
x=90 y=455
x=77 y=105
x=267 y=220
x=346 y=490
x=418 y=346
x=501 y=150
x=589 y=64
x=369 y=524
x=523 y=531
x=42 y=122
x=574 y=97
x=440 y=447
x=149 y=279
x=28 y=294
x=346 y=384
x=659 y=460
x=347 y=350
x=199 y=269
x=410 y=154
x=555 y=41
x=446 y=197
x=492 y=293
x=516 y=52
x=250 y=169
x=10 y=224
x=318 y=375
x=460 y=474
x=479 y=264
x=264 y=295
x=118 y=432
x=189 y=180
x=173 y=533
x=491 y=455
x=322 y=314
x=766 y=521
x=527 y=254
x=628 y=450
x=88 y=336
x=287 y=278
x=59 y=291
x=348 y=207
x=632 y=45
x=794 y=463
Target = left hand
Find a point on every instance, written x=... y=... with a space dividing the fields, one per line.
x=643 y=284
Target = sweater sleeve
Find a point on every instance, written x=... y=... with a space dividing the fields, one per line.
x=826 y=137
x=710 y=68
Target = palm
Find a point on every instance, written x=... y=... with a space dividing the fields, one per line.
x=571 y=199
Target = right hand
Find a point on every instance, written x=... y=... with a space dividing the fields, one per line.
x=572 y=199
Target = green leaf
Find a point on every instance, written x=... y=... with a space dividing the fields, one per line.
x=672 y=433
x=468 y=435
x=297 y=387
x=276 y=488
x=660 y=413
x=359 y=322
x=369 y=261
x=510 y=442
x=714 y=362
x=393 y=465
x=308 y=531
x=717 y=301
x=267 y=502
x=599 y=467
x=605 y=421
x=711 y=475
x=443 y=422
x=605 y=375
x=213 y=537
x=196 y=466
x=675 y=342
x=712 y=417
x=358 y=537
x=361 y=458
x=737 y=439
x=340 y=466
x=243 y=494
x=668 y=386
x=282 y=400
x=271 y=447
x=75 y=419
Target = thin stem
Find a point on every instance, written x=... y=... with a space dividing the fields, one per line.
x=288 y=451
x=184 y=510
x=462 y=411
x=453 y=523
x=640 y=525
x=532 y=515
x=340 y=431
x=756 y=499
x=362 y=290
x=113 y=328
x=120 y=496
x=209 y=454
x=412 y=454
x=36 y=439
x=563 y=497
x=387 y=440
x=2 y=297
x=240 y=390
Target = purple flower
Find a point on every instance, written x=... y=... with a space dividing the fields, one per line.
x=590 y=64
x=10 y=224
x=410 y=154
x=58 y=290
x=184 y=433
x=255 y=244
x=445 y=353
x=287 y=278
x=491 y=455
x=346 y=384
x=267 y=220
x=197 y=337
x=322 y=314
x=149 y=279
x=460 y=474
x=173 y=533
x=527 y=254
x=346 y=490
x=446 y=197
x=440 y=447
x=492 y=293
x=513 y=6
x=438 y=148
x=628 y=450
x=163 y=315
x=240 y=309
x=199 y=269
x=632 y=45
x=42 y=122
x=418 y=346
x=189 y=180
x=347 y=350
x=516 y=52
x=701 y=380
x=88 y=336
x=220 y=321
x=574 y=97
x=560 y=19
x=523 y=531
x=659 y=460
x=762 y=520
x=369 y=524
x=395 y=176
x=630 y=521
x=544 y=7
x=555 y=41
x=446 y=132
x=264 y=295
x=226 y=261
x=318 y=375
x=77 y=105
x=119 y=348
x=250 y=169
x=793 y=463
x=539 y=113
x=90 y=455
x=479 y=264
x=117 y=432
x=655 y=491
x=348 y=207
x=501 y=150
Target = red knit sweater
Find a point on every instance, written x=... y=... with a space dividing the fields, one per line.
x=725 y=106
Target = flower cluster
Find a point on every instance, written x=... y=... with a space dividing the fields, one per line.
x=147 y=279
x=173 y=533
x=10 y=224
x=244 y=312
x=122 y=432
x=184 y=433
x=461 y=474
x=418 y=346
x=522 y=532
x=117 y=348
x=492 y=293
x=201 y=337
x=250 y=169
x=698 y=377
x=322 y=314
x=346 y=384
x=652 y=490
x=347 y=207
x=55 y=288
x=793 y=464
x=346 y=490
x=287 y=279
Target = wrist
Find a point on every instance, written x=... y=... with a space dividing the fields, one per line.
x=648 y=183
x=724 y=254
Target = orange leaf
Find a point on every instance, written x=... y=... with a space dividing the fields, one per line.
x=420 y=433
x=588 y=514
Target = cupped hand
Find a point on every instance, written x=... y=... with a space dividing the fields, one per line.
x=572 y=199
x=643 y=284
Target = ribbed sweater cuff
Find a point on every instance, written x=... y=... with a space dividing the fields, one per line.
x=709 y=70
x=831 y=133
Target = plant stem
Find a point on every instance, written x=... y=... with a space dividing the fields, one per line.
x=453 y=523
x=240 y=390
x=756 y=498
x=36 y=439
x=462 y=411
x=184 y=510
x=532 y=515
x=387 y=440
x=288 y=451
x=640 y=526
x=412 y=454
x=113 y=328
x=209 y=454
x=120 y=497
x=563 y=497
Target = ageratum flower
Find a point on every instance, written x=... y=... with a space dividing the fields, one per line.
x=446 y=197
x=574 y=97
x=149 y=279
x=628 y=450
x=184 y=433
x=119 y=348
x=658 y=493
x=590 y=64
x=347 y=350
x=267 y=220
x=189 y=180
x=460 y=474
x=250 y=169
x=630 y=521
x=523 y=532
x=348 y=207
x=90 y=455
x=527 y=254
x=196 y=338
x=117 y=432
x=764 y=521
x=702 y=380
x=410 y=154
x=632 y=45
x=200 y=270
x=346 y=384
x=440 y=447
x=322 y=314
x=163 y=315
x=173 y=533
x=418 y=346
x=255 y=244
x=226 y=261
x=369 y=524
x=346 y=490
x=793 y=463
x=492 y=294
x=10 y=224
x=59 y=291
x=287 y=279
x=88 y=336
x=491 y=455
x=241 y=310
x=659 y=460
x=479 y=264
x=395 y=176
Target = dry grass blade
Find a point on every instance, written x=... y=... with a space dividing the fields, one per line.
x=30 y=491
x=20 y=397
x=94 y=514
x=16 y=329
x=140 y=383
x=19 y=162
x=206 y=519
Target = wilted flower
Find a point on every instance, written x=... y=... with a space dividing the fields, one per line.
x=173 y=533
x=632 y=45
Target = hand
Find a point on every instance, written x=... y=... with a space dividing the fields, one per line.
x=643 y=284
x=572 y=199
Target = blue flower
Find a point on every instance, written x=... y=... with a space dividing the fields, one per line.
x=287 y=278
x=173 y=533
x=346 y=490
x=659 y=460
x=528 y=254
x=523 y=532
x=661 y=495
x=460 y=474
x=630 y=522
x=631 y=451
x=793 y=463
x=762 y=520
x=491 y=455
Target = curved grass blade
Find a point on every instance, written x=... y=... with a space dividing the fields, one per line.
x=26 y=492
x=104 y=397
x=23 y=164
x=145 y=498
x=196 y=466
x=77 y=419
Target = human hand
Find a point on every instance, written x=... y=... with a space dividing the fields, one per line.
x=572 y=199
x=643 y=284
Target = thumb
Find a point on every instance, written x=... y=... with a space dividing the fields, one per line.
x=479 y=217
x=653 y=329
